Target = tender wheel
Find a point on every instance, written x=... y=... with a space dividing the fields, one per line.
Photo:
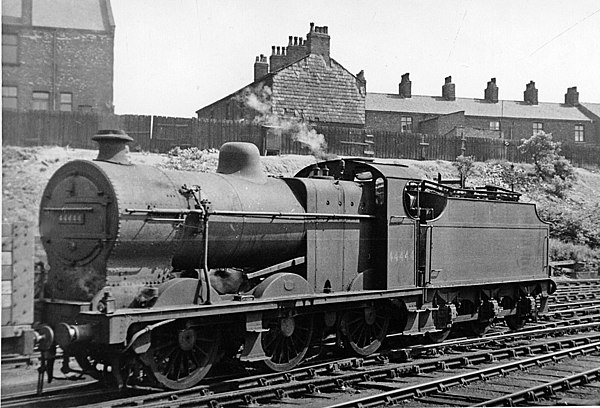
x=180 y=357
x=287 y=341
x=364 y=329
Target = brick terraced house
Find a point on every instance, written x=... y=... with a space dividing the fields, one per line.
x=299 y=81
x=487 y=117
x=57 y=55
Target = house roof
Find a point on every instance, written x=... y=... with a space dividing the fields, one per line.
x=472 y=107
x=312 y=89
x=319 y=91
x=593 y=107
x=75 y=14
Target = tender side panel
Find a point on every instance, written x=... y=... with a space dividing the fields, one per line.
x=479 y=241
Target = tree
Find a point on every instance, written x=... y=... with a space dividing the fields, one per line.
x=552 y=168
x=464 y=164
x=540 y=149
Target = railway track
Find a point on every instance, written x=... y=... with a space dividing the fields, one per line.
x=421 y=367
x=569 y=328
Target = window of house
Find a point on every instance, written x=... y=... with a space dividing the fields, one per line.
x=41 y=101
x=494 y=125
x=406 y=124
x=537 y=127
x=9 y=97
x=85 y=108
x=66 y=101
x=579 y=133
x=9 y=48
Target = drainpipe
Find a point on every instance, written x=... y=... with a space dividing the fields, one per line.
x=54 y=69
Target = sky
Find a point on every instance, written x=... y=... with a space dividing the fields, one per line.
x=173 y=57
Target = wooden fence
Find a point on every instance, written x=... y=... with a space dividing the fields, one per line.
x=160 y=134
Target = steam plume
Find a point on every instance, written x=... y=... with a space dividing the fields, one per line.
x=259 y=99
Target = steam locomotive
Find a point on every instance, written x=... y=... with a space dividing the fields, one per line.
x=158 y=274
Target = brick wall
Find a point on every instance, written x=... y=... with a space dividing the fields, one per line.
x=390 y=121
x=512 y=128
x=517 y=129
x=83 y=66
x=236 y=106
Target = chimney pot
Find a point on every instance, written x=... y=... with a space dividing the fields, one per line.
x=290 y=40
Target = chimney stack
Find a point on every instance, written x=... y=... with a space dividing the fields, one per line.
x=296 y=49
x=531 y=94
x=361 y=82
x=449 y=89
x=278 y=58
x=572 y=96
x=490 y=93
x=404 y=88
x=261 y=67
x=317 y=41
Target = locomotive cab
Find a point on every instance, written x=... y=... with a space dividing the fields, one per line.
x=424 y=200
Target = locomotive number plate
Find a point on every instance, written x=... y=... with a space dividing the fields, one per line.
x=77 y=218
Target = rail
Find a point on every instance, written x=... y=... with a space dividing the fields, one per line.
x=257 y=214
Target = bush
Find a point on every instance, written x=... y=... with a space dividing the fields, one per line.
x=464 y=164
x=574 y=224
x=555 y=171
x=192 y=158
x=559 y=186
x=568 y=251
x=541 y=150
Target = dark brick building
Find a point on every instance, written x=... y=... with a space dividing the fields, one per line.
x=57 y=55
x=299 y=81
x=486 y=117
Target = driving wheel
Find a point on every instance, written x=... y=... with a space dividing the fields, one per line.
x=179 y=357
x=287 y=341
x=365 y=328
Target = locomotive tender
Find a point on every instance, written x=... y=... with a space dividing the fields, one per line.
x=156 y=274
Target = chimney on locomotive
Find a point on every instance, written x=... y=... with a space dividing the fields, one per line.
x=112 y=146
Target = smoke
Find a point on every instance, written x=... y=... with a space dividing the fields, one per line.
x=259 y=99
